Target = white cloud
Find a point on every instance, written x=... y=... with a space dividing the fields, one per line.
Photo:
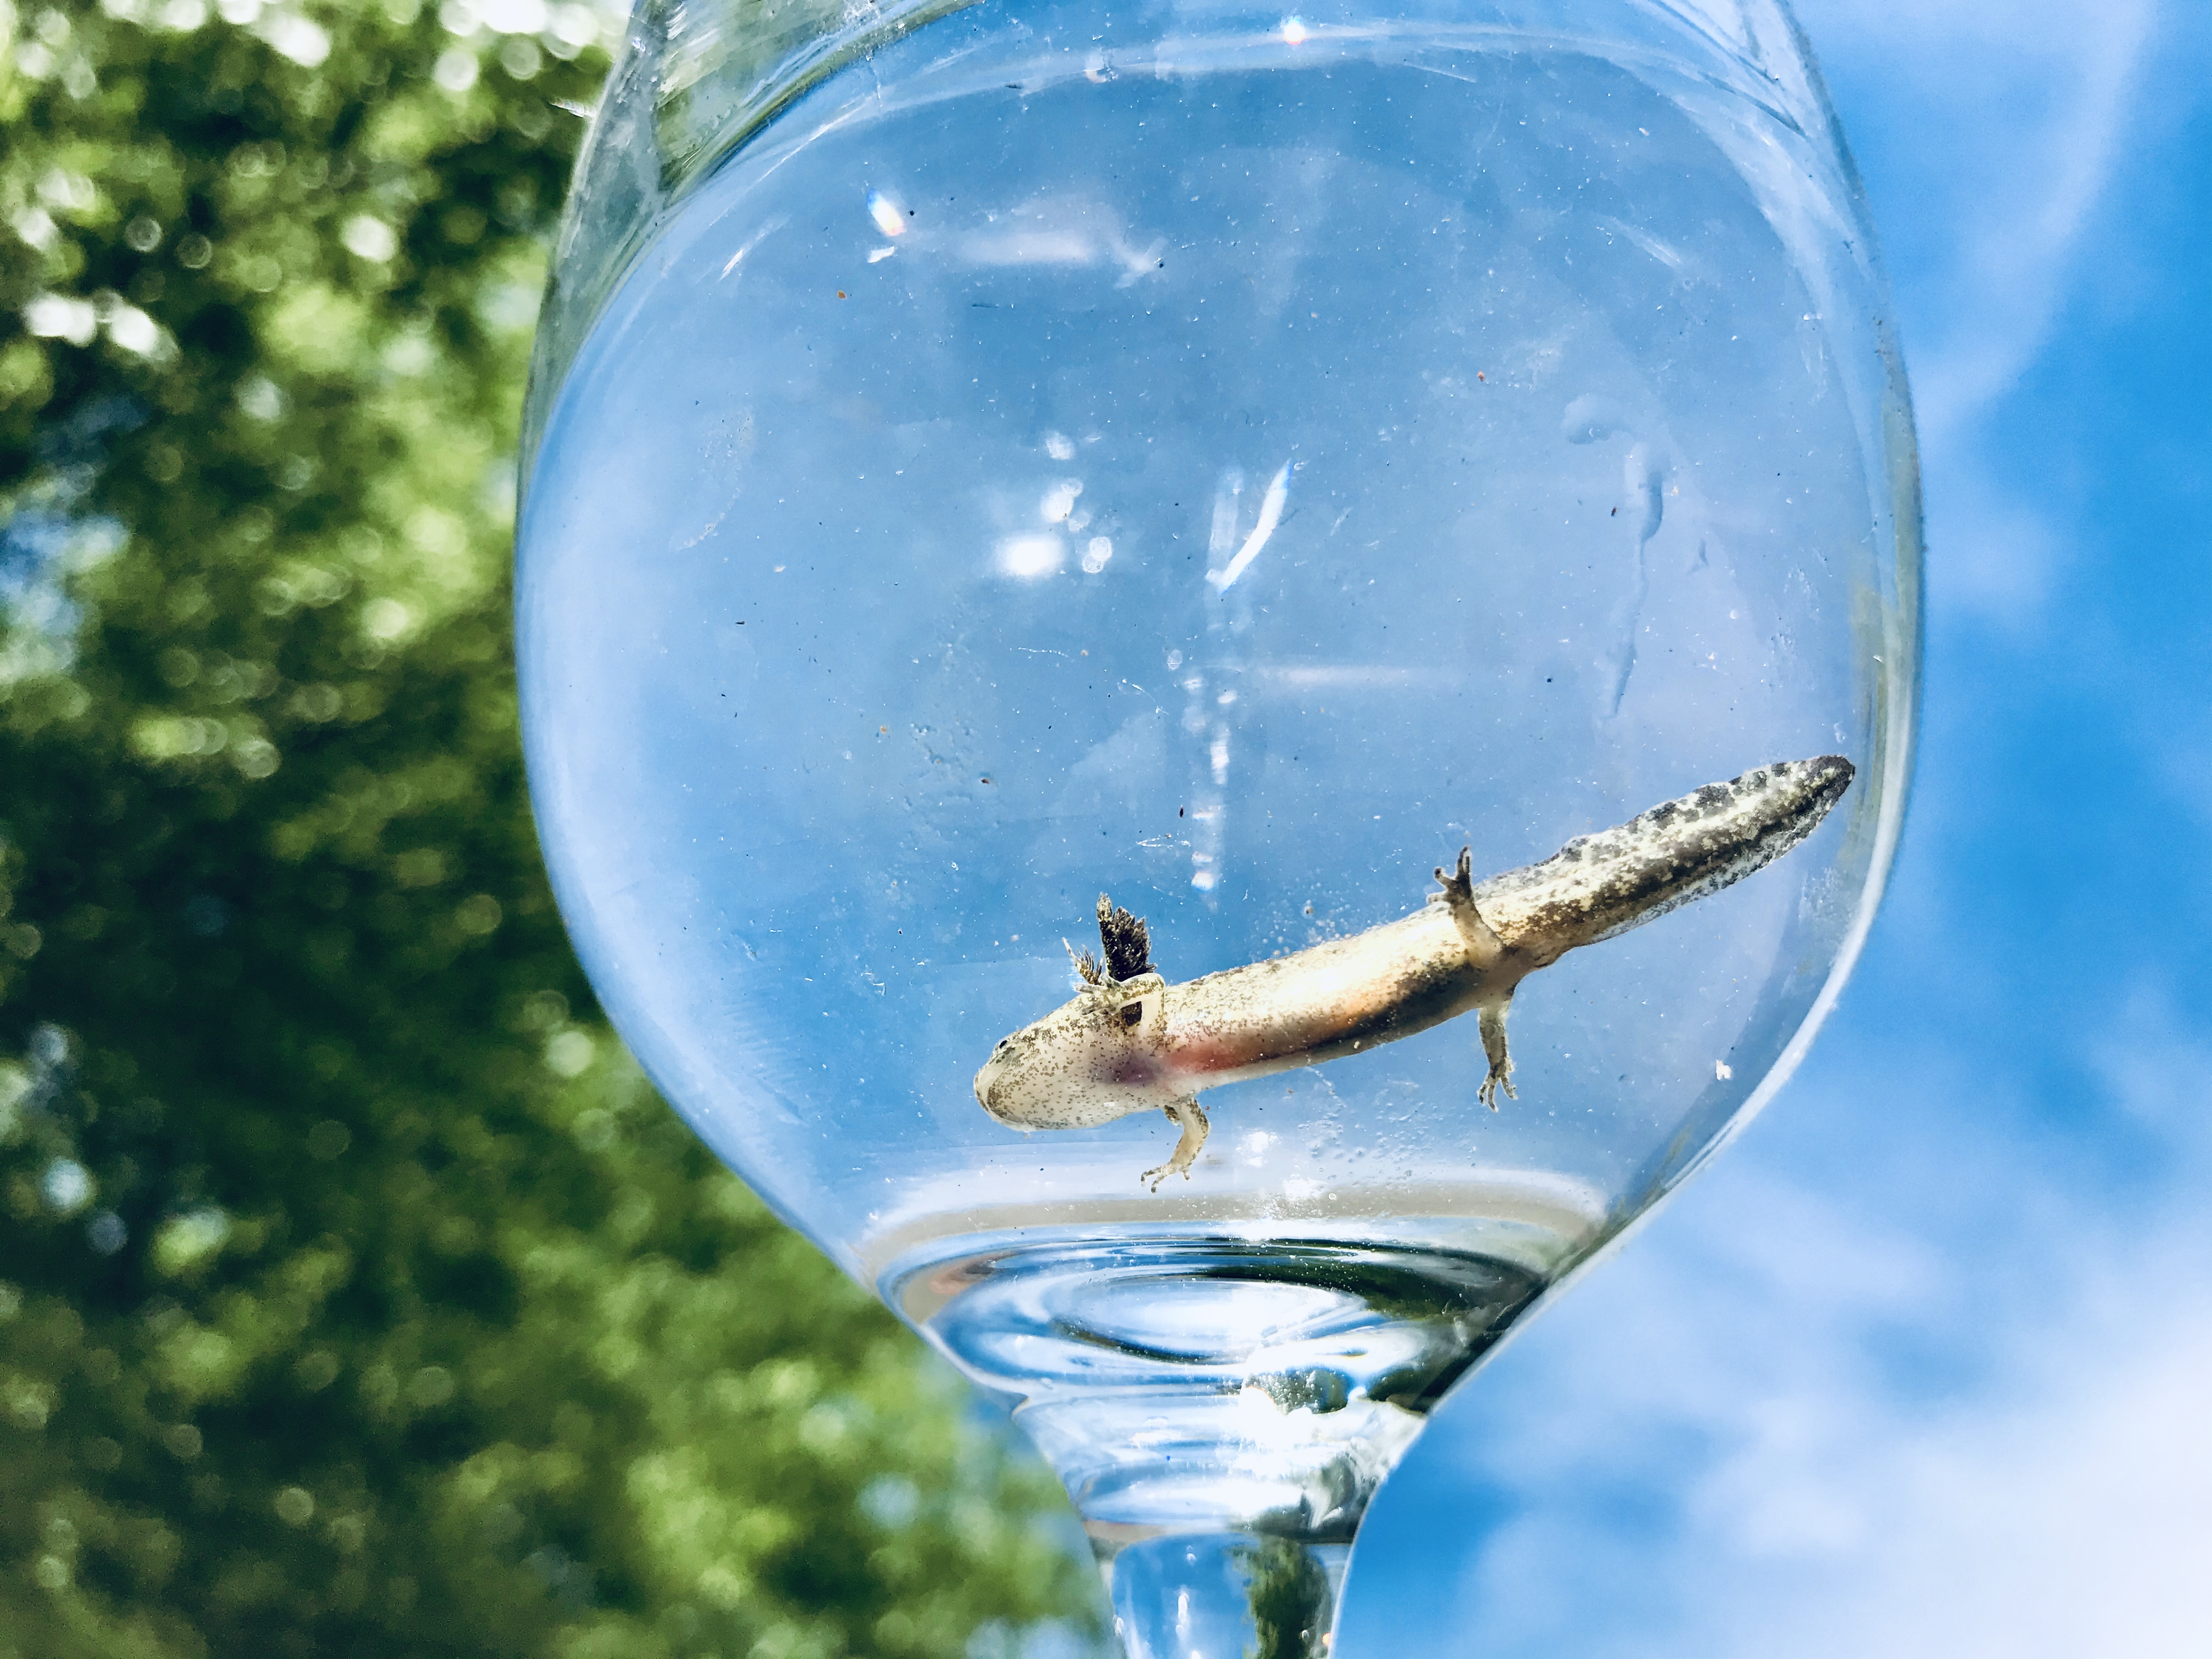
x=2066 y=1512
x=1993 y=132
x=2009 y=116
x=2073 y=1523
x=1950 y=1408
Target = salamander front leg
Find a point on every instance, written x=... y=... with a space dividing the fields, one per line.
x=1190 y=1117
x=1491 y=1018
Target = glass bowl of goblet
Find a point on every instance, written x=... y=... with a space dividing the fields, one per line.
x=1045 y=523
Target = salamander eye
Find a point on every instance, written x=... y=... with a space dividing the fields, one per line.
x=1131 y=1012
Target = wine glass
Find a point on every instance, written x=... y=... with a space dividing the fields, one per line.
x=981 y=459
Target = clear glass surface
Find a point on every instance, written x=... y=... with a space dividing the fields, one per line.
x=983 y=458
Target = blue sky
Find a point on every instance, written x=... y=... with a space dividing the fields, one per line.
x=1922 y=1367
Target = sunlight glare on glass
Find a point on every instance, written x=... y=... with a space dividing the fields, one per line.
x=1029 y=558
x=889 y=217
x=1060 y=500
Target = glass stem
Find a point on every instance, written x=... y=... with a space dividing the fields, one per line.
x=1223 y=1594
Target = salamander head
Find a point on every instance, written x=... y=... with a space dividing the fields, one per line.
x=1089 y=1061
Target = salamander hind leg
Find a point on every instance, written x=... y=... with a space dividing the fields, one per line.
x=1484 y=947
x=1491 y=1019
x=1190 y=1117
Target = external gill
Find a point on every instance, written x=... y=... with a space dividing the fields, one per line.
x=1127 y=946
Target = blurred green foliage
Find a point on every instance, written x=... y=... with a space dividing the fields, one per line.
x=358 y=1296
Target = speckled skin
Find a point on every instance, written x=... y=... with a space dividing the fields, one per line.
x=1141 y=1044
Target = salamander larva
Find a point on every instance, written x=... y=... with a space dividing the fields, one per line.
x=1130 y=1042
